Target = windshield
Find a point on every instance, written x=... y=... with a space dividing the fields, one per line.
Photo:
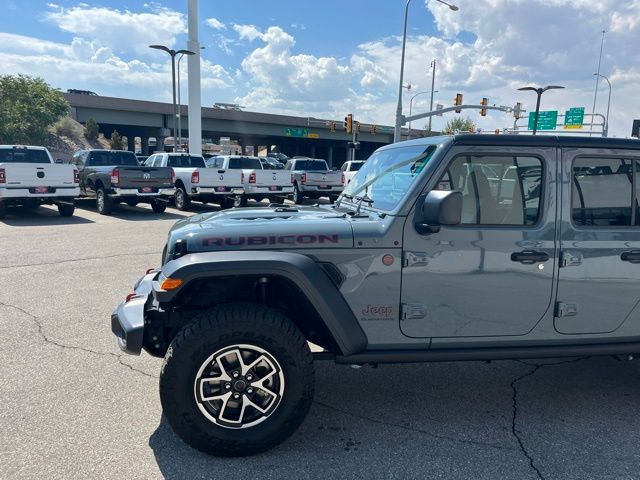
x=386 y=177
x=245 y=163
x=311 y=165
x=23 y=155
x=107 y=159
x=185 y=161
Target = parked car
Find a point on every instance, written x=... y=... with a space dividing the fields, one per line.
x=29 y=178
x=114 y=176
x=350 y=168
x=257 y=182
x=425 y=268
x=279 y=156
x=312 y=178
x=194 y=181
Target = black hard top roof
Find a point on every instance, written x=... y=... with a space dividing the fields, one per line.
x=546 y=140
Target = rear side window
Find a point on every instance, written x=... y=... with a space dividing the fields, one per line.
x=603 y=192
x=23 y=155
x=107 y=159
x=496 y=190
x=236 y=163
x=185 y=161
x=356 y=166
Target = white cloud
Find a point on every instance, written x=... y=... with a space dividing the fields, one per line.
x=247 y=32
x=121 y=30
x=216 y=24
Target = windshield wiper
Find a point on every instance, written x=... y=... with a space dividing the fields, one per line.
x=364 y=198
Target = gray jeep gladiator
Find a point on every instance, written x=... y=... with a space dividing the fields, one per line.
x=472 y=247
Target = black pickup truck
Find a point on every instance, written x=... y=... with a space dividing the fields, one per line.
x=114 y=176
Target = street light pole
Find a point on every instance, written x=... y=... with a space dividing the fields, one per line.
x=606 y=123
x=173 y=54
x=411 y=108
x=595 y=93
x=433 y=84
x=539 y=92
x=398 y=126
x=179 y=104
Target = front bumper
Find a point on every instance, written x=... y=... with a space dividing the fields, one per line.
x=127 y=320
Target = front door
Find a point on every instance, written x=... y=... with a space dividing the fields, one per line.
x=493 y=274
x=598 y=286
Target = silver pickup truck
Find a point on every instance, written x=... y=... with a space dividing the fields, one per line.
x=312 y=178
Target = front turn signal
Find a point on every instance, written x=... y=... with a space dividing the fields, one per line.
x=171 y=283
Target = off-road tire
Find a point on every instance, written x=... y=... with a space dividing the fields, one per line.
x=158 y=206
x=66 y=209
x=104 y=204
x=224 y=326
x=181 y=199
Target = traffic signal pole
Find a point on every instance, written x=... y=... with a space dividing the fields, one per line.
x=404 y=120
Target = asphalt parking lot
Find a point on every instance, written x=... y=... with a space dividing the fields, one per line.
x=73 y=407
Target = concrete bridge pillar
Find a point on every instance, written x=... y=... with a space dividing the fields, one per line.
x=330 y=156
x=313 y=151
x=144 y=145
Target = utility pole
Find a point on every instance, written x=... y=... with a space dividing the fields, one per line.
x=433 y=83
x=195 y=92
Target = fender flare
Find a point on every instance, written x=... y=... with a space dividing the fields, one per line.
x=301 y=270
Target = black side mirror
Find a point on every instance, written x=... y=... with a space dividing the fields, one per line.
x=439 y=208
x=59 y=160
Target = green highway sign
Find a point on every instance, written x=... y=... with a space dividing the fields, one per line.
x=574 y=117
x=546 y=120
x=296 y=132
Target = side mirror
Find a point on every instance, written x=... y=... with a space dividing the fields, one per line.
x=59 y=160
x=439 y=208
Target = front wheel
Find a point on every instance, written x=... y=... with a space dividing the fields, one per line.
x=237 y=380
x=103 y=202
x=66 y=209
x=182 y=200
x=240 y=201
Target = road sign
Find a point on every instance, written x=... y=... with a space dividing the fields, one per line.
x=574 y=117
x=300 y=133
x=547 y=120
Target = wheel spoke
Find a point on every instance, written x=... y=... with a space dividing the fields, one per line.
x=253 y=364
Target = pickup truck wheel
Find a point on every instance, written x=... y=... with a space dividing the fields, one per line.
x=3 y=210
x=157 y=206
x=237 y=380
x=226 y=202
x=103 y=202
x=277 y=200
x=182 y=200
x=66 y=209
x=297 y=195
x=240 y=201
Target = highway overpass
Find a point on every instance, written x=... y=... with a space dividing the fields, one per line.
x=292 y=135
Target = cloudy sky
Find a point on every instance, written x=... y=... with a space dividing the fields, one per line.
x=329 y=58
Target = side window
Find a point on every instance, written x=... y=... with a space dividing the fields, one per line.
x=496 y=190
x=602 y=192
x=149 y=161
x=344 y=167
x=158 y=161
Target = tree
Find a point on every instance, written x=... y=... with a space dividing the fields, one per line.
x=115 y=143
x=459 y=124
x=91 y=129
x=28 y=106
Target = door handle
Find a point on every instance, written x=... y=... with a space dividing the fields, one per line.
x=529 y=257
x=633 y=256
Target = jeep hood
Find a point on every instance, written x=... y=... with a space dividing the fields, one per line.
x=273 y=228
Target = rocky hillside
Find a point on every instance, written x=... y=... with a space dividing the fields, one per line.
x=64 y=146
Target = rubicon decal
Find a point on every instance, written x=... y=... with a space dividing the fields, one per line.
x=257 y=240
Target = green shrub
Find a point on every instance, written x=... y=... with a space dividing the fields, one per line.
x=91 y=129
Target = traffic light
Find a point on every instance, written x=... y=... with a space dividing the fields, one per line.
x=358 y=127
x=332 y=126
x=348 y=123
x=483 y=111
x=457 y=101
x=517 y=110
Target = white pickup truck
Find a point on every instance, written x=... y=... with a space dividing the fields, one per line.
x=194 y=181
x=312 y=178
x=257 y=183
x=29 y=178
x=350 y=168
